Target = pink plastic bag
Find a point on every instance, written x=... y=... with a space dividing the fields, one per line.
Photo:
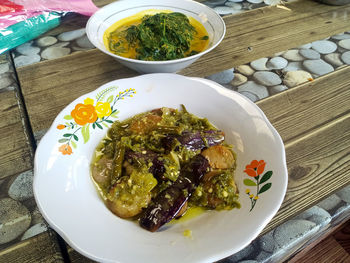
x=14 y=11
x=24 y=20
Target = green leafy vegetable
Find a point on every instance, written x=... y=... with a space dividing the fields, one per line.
x=163 y=36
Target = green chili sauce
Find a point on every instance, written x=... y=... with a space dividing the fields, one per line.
x=125 y=163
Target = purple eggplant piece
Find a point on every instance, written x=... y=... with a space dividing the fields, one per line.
x=170 y=201
x=157 y=169
x=195 y=140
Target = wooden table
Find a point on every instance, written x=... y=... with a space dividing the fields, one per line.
x=313 y=119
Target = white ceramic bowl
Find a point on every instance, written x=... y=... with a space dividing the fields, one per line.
x=109 y=14
x=68 y=200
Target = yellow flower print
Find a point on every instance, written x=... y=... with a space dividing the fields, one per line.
x=103 y=109
x=88 y=101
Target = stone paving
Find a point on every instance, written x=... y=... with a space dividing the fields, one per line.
x=20 y=218
x=280 y=243
x=267 y=76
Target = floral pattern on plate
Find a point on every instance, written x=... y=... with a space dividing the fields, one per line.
x=255 y=169
x=88 y=114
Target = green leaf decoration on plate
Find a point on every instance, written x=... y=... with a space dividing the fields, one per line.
x=68 y=117
x=110 y=99
x=88 y=112
x=266 y=177
x=98 y=125
x=265 y=188
x=255 y=169
x=85 y=132
x=73 y=144
x=249 y=182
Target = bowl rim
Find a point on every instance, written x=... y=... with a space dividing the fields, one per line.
x=167 y=62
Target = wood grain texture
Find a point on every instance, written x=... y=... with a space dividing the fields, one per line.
x=313 y=104
x=311 y=249
x=314 y=122
x=15 y=154
x=263 y=32
x=49 y=86
x=343 y=237
x=318 y=165
x=76 y=257
x=327 y=251
x=42 y=248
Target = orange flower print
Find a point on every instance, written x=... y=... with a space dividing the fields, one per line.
x=255 y=168
x=83 y=114
x=65 y=149
x=88 y=112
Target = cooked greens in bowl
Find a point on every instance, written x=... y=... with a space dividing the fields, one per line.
x=156 y=36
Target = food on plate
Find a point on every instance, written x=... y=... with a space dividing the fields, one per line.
x=156 y=165
x=156 y=36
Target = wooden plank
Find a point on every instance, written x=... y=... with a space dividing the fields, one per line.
x=343 y=237
x=301 y=109
x=15 y=154
x=318 y=165
x=265 y=31
x=42 y=248
x=49 y=86
x=314 y=125
x=314 y=122
x=324 y=98
x=328 y=251
x=76 y=257
x=311 y=250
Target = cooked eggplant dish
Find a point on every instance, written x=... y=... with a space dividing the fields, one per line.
x=156 y=165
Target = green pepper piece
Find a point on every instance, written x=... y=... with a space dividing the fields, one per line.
x=117 y=162
x=169 y=129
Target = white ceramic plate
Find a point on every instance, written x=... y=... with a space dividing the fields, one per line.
x=70 y=203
